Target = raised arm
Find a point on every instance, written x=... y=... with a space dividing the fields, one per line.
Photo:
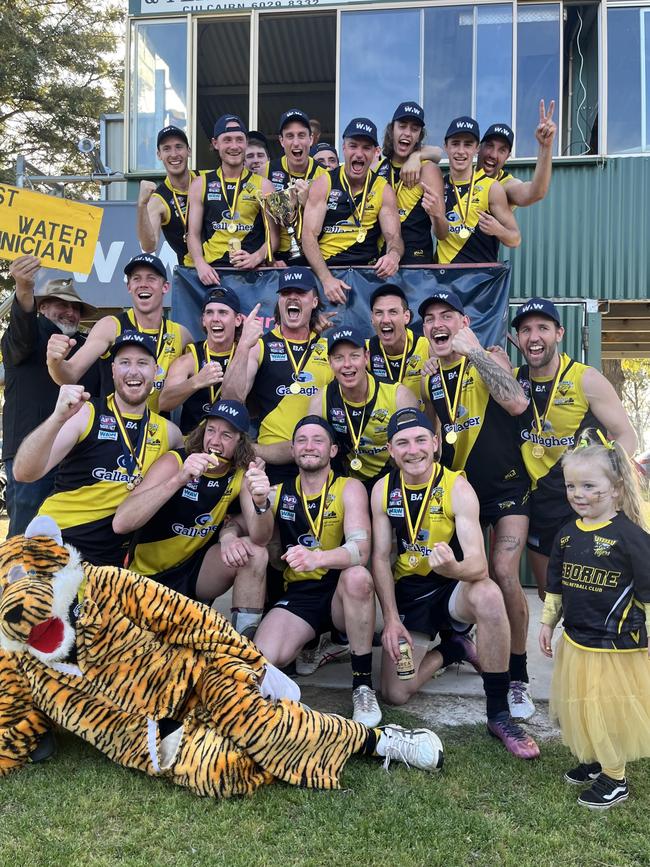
x=64 y=370
x=150 y=213
x=524 y=193
x=388 y=264
x=243 y=366
x=162 y=480
x=608 y=409
x=255 y=491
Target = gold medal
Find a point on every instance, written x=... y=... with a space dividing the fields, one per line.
x=232 y=228
x=464 y=233
x=130 y=485
x=451 y=437
x=137 y=479
x=538 y=450
x=361 y=236
x=413 y=561
x=294 y=388
x=355 y=464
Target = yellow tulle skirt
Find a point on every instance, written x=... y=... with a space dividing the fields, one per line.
x=602 y=703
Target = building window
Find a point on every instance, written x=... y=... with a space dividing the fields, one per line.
x=158 y=94
x=538 y=70
x=628 y=86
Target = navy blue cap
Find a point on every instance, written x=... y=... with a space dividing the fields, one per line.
x=171 y=132
x=324 y=146
x=346 y=335
x=314 y=419
x=536 y=307
x=222 y=295
x=500 y=130
x=409 y=111
x=147 y=259
x=361 y=127
x=256 y=135
x=232 y=411
x=294 y=115
x=444 y=296
x=297 y=277
x=466 y=124
x=405 y=418
x=135 y=338
x=230 y=122
x=387 y=289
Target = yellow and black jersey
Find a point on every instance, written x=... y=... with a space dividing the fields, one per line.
x=169 y=345
x=91 y=481
x=387 y=368
x=248 y=221
x=279 y=409
x=438 y=523
x=174 y=220
x=568 y=415
x=503 y=177
x=296 y=529
x=342 y=240
x=277 y=171
x=372 y=416
x=601 y=572
x=199 y=402
x=487 y=437
x=415 y=222
x=188 y=521
x=477 y=247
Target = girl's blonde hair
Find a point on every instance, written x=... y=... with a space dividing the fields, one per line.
x=614 y=462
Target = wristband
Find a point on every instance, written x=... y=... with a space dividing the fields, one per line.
x=260 y=510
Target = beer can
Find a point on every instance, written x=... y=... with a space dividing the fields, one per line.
x=405 y=668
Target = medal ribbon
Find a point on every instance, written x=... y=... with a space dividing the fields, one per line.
x=452 y=408
x=468 y=201
x=317 y=526
x=161 y=331
x=216 y=390
x=182 y=212
x=413 y=530
x=355 y=437
x=297 y=368
x=541 y=419
x=133 y=457
x=389 y=369
x=232 y=208
x=356 y=215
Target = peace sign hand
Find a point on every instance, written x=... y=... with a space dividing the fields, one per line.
x=546 y=128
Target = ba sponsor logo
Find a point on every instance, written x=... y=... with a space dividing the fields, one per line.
x=416 y=496
x=131 y=425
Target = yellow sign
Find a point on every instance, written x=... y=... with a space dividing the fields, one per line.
x=61 y=233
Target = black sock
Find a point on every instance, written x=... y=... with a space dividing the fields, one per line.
x=451 y=651
x=338 y=637
x=495 y=684
x=518 y=669
x=370 y=745
x=361 y=669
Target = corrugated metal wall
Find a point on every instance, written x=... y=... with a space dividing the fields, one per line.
x=589 y=237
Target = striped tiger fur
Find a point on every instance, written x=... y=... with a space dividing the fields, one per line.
x=142 y=654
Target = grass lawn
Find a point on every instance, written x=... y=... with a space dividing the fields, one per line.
x=485 y=808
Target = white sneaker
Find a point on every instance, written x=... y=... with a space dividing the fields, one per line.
x=417 y=748
x=311 y=658
x=520 y=704
x=365 y=706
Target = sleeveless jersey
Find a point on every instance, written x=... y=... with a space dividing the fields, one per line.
x=216 y=216
x=295 y=529
x=438 y=524
x=279 y=409
x=199 y=402
x=568 y=415
x=91 y=482
x=601 y=571
x=479 y=247
x=503 y=177
x=170 y=348
x=417 y=353
x=376 y=413
x=172 y=224
x=277 y=171
x=487 y=445
x=414 y=220
x=338 y=238
x=188 y=521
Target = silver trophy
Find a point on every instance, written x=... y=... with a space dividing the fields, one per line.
x=283 y=208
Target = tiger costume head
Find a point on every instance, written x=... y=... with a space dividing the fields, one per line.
x=39 y=581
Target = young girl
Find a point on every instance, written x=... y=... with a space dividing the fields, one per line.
x=599 y=581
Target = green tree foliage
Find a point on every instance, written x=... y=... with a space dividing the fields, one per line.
x=61 y=67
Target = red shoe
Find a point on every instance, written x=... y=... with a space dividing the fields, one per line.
x=513 y=737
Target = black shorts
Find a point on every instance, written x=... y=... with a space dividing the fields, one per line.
x=311 y=600
x=515 y=501
x=423 y=604
x=183 y=577
x=548 y=514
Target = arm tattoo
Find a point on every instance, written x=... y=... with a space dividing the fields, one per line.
x=501 y=385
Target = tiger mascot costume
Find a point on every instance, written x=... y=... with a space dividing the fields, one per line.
x=154 y=680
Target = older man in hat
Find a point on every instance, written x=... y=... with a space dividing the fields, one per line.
x=30 y=393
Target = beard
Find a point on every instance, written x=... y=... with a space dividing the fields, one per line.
x=66 y=328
